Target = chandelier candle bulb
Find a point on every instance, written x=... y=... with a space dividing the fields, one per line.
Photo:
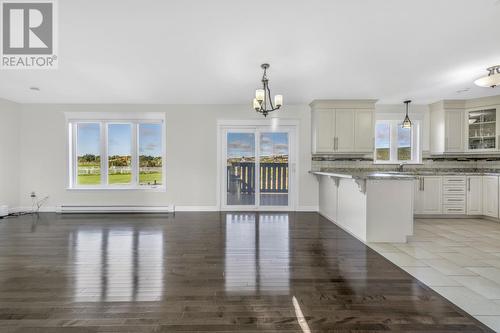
x=259 y=94
x=278 y=100
x=256 y=104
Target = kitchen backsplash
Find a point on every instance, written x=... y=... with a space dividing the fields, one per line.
x=448 y=162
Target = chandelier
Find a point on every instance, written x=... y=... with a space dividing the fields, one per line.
x=262 y=103
x=492 y=80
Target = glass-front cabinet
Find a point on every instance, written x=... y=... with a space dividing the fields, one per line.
x=482 y=129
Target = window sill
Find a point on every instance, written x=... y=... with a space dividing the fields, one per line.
x=104 y=189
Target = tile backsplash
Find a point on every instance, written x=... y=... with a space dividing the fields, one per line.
x=462 y=162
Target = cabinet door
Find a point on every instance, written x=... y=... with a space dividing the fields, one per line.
x=454 y=129
x=323 y=130
x=364 y=131
x=344 y=130
x=474 y=195
x=432 y=199
x=482 y=129
x=417 y=196
x=490 y=196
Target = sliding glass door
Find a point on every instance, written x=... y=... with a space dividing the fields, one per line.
x=256 y=163
x=273 y=167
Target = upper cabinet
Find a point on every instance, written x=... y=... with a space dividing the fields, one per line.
x=465 y=126
x=447 y=127
x=343 y=126
x=482 y=129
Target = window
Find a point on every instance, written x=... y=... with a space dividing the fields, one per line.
x=116 y=154
x=394 y=144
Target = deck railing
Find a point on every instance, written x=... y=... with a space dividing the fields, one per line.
x=273 y=177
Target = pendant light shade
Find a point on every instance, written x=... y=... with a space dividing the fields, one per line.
x=406 y=122
x=492 y=80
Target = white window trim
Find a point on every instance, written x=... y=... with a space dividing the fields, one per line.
x=416 y=144
x=73 y=118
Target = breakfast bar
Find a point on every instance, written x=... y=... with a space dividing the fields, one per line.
x=374 y=207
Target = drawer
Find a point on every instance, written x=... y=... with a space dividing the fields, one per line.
x=454 y=180
x=457 y=210
x=454 y=190
x=448 y=200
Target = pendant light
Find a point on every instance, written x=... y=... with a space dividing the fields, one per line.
x=492 y=80
x=407 y=122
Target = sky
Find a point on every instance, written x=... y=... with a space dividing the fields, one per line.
x=382 y=135
x=150 y=139
x=120 y=139
x=243 y=144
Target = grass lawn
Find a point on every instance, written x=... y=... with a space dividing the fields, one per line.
x=144 y=179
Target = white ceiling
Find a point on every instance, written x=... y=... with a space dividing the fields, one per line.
x=209 y=52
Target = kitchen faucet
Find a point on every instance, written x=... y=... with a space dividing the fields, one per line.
x=400 y=167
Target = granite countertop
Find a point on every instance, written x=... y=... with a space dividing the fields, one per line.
x=372 y=175
x=406 y=174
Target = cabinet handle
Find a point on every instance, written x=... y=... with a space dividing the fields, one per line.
x=446 y=144
x=468 y=185
x=333 y=143
x=337 y=143
x=423 y=184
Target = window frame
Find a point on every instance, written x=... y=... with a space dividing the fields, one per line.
x=104 y=120
x=416 y=152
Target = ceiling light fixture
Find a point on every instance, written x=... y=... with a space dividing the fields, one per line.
x=263 y=96
x=406 y=122
x=492 y=80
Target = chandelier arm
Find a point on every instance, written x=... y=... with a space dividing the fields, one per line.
x=270 y=99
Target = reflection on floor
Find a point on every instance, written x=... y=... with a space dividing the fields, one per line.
x=266 y=199
x=458 y=258
x=206 y=272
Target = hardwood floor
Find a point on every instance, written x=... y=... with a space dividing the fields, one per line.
x=206 y=272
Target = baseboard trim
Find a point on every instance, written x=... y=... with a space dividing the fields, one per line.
x=196 y=209
x=307 y=209
x=48 y=209
x=72 y=209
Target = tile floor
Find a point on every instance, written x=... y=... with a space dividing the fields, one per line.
x=459 y=259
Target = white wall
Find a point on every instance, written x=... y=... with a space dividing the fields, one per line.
x=9 y=153
x=191 y=154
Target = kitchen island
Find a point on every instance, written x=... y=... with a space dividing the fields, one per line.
x=374 y=207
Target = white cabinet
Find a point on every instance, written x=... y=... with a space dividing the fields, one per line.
x=364 y=131
x=454 y=131
x=454 y=195
x=447 y=128
x=417 y=196
x=475 y=195
x=428 y=195
x=482 y=132
x=490 y=196
x=342 y=126
x=323 y=123
x=344 y=130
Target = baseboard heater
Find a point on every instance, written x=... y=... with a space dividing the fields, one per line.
x=74 y=209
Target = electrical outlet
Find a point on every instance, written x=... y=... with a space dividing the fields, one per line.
x=32 y=195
